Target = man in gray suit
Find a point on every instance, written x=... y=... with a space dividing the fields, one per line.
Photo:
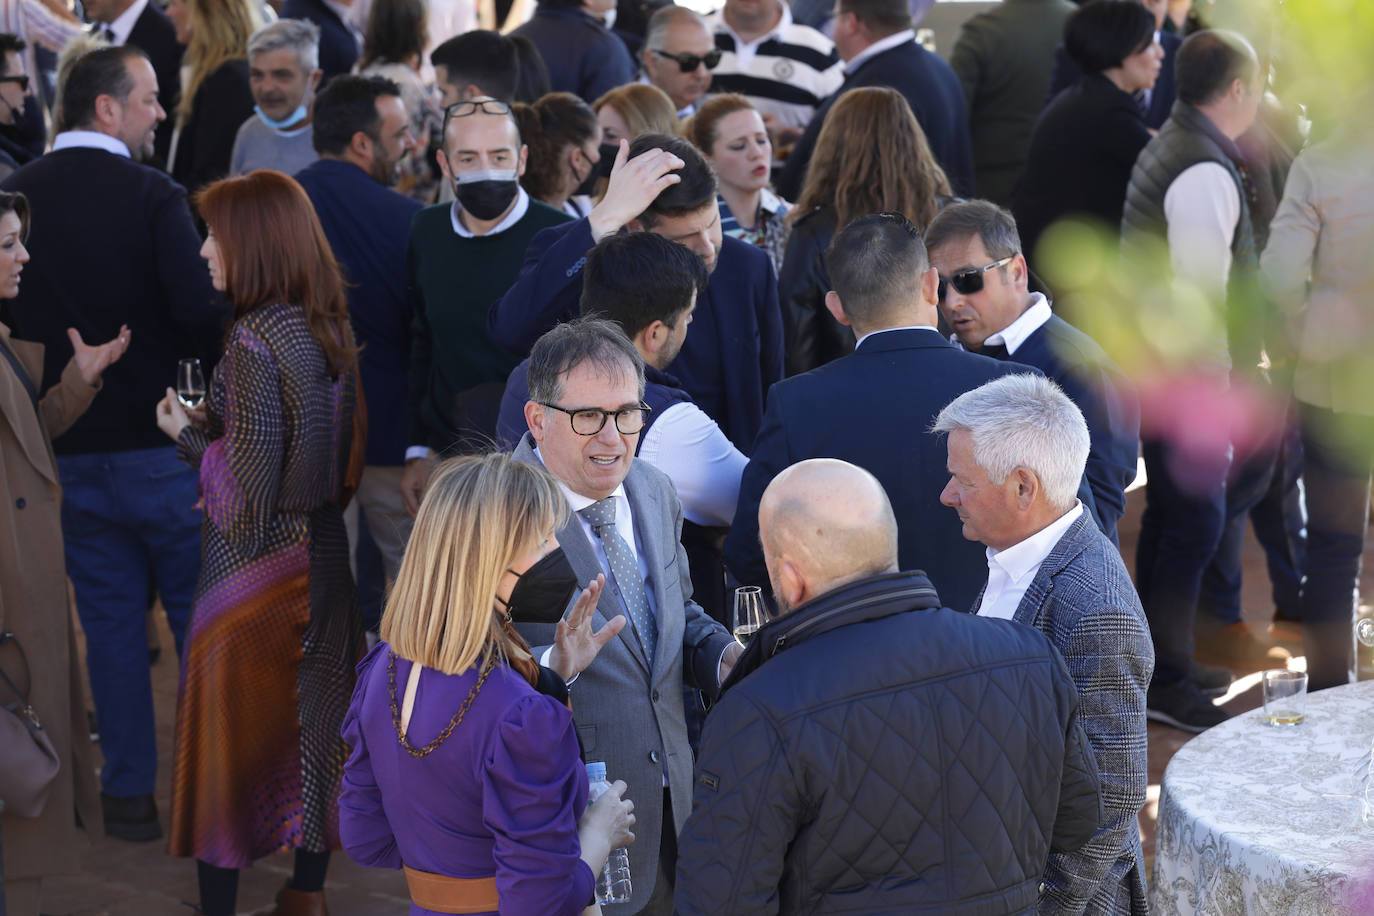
x=1017 y=448
x=585 y=415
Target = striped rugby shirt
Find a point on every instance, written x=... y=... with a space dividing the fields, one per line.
x=786 y=73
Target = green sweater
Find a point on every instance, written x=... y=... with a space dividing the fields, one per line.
x=457 y=373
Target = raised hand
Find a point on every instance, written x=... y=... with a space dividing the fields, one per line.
x=92 y=361
x=633 y=185
x=575 y=644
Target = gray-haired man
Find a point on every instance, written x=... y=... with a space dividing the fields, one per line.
x=283 y=74
x=1017 y=448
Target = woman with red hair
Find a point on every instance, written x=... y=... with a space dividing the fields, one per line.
x=267 y=671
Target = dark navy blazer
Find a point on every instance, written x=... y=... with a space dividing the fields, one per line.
x=1066 y=73
x=338 y=44
x=733 y=351
x=936 y=97
x=368 y=226
x=1095 y=383
x=874 y=408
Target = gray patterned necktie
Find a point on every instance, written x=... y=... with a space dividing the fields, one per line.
x=624 y=571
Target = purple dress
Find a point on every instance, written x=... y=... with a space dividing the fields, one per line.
x=501 y=796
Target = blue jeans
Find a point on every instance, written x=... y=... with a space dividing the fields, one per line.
x=128 y=522
x=1265 y=490
x=1179 y=534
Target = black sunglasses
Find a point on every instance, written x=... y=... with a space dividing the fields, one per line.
x=689 y=62
x=22 y=79
x=968 y=282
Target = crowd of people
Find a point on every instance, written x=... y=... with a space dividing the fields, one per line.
x=525 y=348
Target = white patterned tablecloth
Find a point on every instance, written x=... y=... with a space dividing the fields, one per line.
x=1259 y=821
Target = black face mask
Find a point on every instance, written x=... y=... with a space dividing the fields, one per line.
x=486 y=193
x=608 y=153
x=542 y=592
x=587 y=185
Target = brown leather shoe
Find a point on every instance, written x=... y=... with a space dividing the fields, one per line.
x=1238 y=648
x=296 y=903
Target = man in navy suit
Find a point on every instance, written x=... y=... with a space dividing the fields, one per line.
x=360 y=135
x=143 y=24
x=663 y=185
x=874 y=407
x=876 y=41
x=340 y=40
x=994 y=313
x=128 y=516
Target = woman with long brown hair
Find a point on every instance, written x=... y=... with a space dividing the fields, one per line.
x=215 y=97
x=871 y=157
x=268 y=665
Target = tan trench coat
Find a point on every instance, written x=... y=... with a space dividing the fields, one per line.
x=33 y=605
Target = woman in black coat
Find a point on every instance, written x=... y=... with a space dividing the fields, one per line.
x=1086 y=141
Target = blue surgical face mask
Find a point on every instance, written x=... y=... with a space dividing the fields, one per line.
x=286 y=123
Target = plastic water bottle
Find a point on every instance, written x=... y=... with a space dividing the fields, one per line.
x=614 y=884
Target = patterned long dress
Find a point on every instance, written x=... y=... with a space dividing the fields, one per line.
x=275 y=633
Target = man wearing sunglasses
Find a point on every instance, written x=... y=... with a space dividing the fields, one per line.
x=985 y=299
x=679 y=55
x=874 y=407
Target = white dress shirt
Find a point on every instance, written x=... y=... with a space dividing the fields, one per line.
x=704 y=465
x=124 y=23
x=882 y=44
x=1011 y=571
x=1016 y=333
x=89 y=139
x=915 y=327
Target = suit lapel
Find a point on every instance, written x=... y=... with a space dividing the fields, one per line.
x=582 y=556
x=1033 y=602
x=646 y=504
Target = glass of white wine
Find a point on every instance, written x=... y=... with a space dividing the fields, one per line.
x=1285 y=696
x=190 y=384
x=749 y=613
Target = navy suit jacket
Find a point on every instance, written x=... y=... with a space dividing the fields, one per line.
x=1066 y=73
x=874 y=408
x=154 y=35
x=936 y=97
x=1092 y=381
x=338 y=45
x=583 y=56
x=367 y=226
x=733 y=351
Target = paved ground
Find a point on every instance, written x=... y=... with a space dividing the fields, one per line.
x=125 y=879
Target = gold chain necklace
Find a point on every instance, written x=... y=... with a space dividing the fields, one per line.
x=453 y=723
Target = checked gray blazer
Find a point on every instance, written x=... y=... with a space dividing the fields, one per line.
x=1083 y=600
x=627 y=707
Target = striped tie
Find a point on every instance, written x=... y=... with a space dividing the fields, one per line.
x=624 y=571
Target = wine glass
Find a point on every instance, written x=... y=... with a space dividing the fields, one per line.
x=1364 y=631
x=749 y=613
x=190 y=384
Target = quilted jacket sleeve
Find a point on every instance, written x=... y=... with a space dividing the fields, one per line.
x=745 y=807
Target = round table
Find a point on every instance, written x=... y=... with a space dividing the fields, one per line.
x=1255 y=819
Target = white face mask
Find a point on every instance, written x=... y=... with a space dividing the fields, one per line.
x=286 y=123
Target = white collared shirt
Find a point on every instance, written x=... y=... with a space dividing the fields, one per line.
x=516 y=214
x=1016 y=333
x=915 y=327
x=124 y=23
x=704 y=466
x=882 y=44
x=1011 y=571
x=90 y=139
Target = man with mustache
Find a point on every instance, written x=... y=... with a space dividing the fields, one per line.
x=283 y=73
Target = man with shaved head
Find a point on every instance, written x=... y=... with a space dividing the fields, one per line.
x=872 y=751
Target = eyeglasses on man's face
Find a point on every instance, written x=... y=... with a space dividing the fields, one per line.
x=21 y=79
x=689 y=62
x=968 y=282
x=469 y=107
x=588 y=421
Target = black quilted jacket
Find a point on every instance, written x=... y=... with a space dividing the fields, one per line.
x=875 y=753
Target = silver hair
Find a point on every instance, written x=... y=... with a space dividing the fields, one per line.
x=667 y=17
x=300 y=35
x=1023 y=421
